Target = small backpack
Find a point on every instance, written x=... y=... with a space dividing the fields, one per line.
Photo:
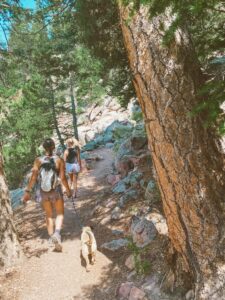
x=48 y=174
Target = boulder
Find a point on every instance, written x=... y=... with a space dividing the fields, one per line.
x=143 y=231
x=115 y=245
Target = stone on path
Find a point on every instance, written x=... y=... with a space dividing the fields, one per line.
x=136 y=294
x=143 y=231
x=130 y=263
x=124 y=289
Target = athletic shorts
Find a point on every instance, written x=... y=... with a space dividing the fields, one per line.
x=52 y=196
x=72 y=168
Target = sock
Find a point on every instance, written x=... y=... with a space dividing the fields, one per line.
x=57 y=231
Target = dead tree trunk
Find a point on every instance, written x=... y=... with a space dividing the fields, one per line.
x=187 y=159
x=10 y=251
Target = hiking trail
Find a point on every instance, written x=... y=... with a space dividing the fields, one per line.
x=48 y=275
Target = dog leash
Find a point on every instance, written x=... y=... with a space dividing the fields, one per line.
x=75 y=210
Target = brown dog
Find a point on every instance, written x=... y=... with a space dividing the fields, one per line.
x=88 y=246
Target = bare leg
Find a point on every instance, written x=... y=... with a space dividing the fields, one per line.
x=71 y=179
x=56 y=238
x=59 y=207
x=47 y=206
x=75 y=184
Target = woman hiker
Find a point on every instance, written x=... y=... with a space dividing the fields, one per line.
x=49 y=170
x=73 y=162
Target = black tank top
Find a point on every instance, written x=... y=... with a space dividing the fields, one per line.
x=72 y=156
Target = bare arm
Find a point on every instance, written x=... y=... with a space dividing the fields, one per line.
x=63 y=178
x=32 y=181
x=65 y=155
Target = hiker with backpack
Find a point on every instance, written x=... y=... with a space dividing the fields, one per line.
x=73 y=163
x=49 y=172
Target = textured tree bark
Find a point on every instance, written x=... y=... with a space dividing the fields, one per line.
x=187 y=159
x=10 y=251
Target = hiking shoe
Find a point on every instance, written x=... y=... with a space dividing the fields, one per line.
x=50 y=242
x=56 y=239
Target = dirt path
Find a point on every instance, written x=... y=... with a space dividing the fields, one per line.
x=48 y=275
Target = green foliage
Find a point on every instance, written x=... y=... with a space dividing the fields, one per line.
x=204 y=21
x=142 y=266
x=99 y=30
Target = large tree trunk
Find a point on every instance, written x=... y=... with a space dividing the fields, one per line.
x=188 y=163
x=10 y=251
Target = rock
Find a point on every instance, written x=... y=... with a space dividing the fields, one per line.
x=117 y=232
x=15 y=196
x=152 y=289
x=138 y=142
x=90 y=146
x=99 y=139
x=113 y=179
x=190 y=295
x=115 y=244
x=133 y=178
x=121 y=131
x=130 y=195
x=116 y=213
x=110 y=203
x=159 y=221
x=143 y=231
x=109 y=145
x=120 y=187
x=108 y=137
x=149 y=192
x=124 y=149
x=105 y=220
x=136 y=294
x=124 y=165
x=131 y=274
x=130 y=263
x=124 y=289
x=89 y=136
x=95 y=112
x=97 y=209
